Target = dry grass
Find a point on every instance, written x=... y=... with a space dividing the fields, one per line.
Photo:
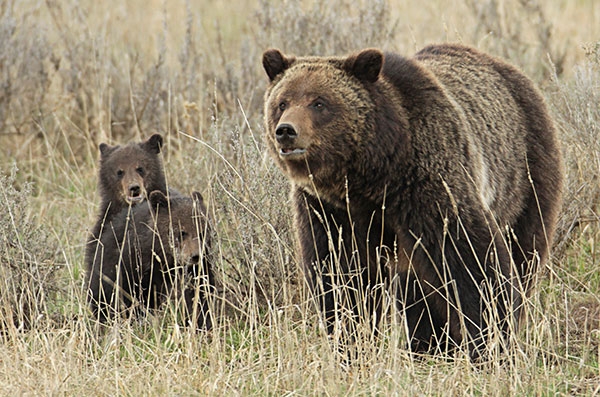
x=74 y=74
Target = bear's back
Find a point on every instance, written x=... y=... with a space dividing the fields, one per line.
x=491 y=124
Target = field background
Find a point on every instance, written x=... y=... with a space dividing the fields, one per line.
x=74 y=74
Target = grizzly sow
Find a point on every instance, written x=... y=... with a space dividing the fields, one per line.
x=157 y=249
x=438 y=177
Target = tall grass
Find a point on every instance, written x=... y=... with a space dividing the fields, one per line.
x=74 y=74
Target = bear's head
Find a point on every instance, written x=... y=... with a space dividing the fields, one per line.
x=181 y=226
x=318 y=112
x=128 y=173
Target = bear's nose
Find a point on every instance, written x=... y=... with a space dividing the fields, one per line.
x=285 y=133
x=134 y=190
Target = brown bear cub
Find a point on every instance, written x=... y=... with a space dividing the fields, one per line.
x=157 y=249
x=437 y=176
x=127 y=174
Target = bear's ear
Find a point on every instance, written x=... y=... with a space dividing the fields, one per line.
x=105 y=149
x=197 y=196
x=199 y=201
x=157 y=200
x=366 y=65
x=154 y=143
x=275 y=63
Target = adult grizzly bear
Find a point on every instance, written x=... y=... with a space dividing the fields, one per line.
x=438 y=174
x=149 y=251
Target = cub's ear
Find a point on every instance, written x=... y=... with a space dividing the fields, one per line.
x=275 y=63
x=197 y=196
x=158 y=199
x=199 y=201
x=154 y=143
x=366 y=65
x=105 y=149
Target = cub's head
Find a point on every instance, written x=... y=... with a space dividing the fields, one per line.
x=182 y=223
x=317 y=111
x=128 y=173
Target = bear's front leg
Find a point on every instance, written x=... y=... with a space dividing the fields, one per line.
x=334 y=257
x=197 y=294
x=102 y=290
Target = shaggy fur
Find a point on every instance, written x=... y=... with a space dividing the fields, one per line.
x=439 y=175
x=149 y=251
x=127 y=174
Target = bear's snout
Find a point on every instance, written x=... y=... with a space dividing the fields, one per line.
x=135 y=190
x=290 y=144
x=135 y=193
x=286 y=134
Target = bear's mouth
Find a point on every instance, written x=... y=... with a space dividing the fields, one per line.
x=291 y=153
x=135 y=199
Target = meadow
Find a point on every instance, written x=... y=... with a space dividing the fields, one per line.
x=74 y=74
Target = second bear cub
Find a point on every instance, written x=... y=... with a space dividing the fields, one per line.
x=157 y=249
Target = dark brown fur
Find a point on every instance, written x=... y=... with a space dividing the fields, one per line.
x=127 y=174
x=422 y=165
x=149 y=251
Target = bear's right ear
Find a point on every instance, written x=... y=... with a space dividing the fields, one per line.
x=105 y=149
x=154 y=143
x=275 y=63
x=158 y=199
x=366 y=65
x=199 y=200
x=197 y=196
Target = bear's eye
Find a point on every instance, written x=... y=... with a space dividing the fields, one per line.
x=282 y=106
x=140 y=171
x=183 y=235
x=120 y=173
x=177 y=237
x=318 y=104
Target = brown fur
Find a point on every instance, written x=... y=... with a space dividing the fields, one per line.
x=420 y=166
x=149 y=251
x=128 y=173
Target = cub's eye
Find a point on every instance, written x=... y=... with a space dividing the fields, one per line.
x=120 y=173
x=183 y=235
x=282 y=106
x=140 y=170
x=178 y=236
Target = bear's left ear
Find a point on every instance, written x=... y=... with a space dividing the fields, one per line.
x=366 y=65
x=154 y=143
x=275 y=63
x=158 y=199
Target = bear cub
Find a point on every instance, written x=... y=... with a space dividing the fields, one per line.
x=127 y=174
x=157 y=249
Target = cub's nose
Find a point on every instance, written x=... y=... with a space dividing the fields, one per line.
x=285 y=133
x=135 y=190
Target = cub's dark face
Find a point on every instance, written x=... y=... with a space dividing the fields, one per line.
x=129 y=173
x=181 y=223
x=316 y=111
